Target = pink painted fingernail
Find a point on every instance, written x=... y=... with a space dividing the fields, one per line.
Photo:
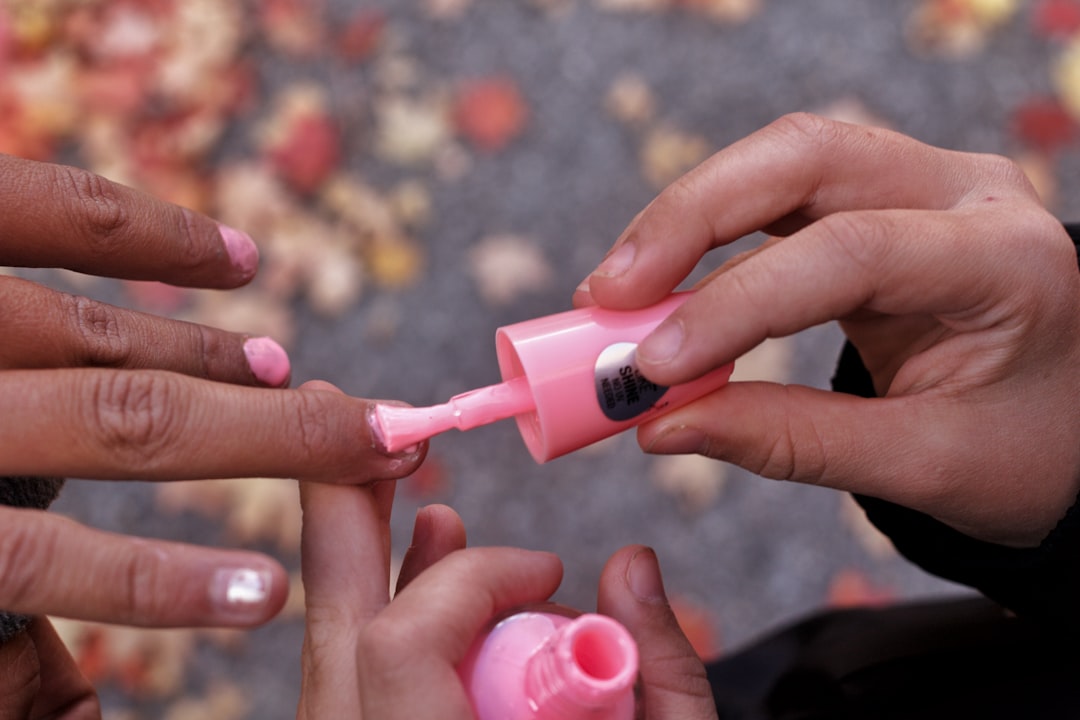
x=241 y=249
x=268 y=361
x=618 y=262
x=240 y=592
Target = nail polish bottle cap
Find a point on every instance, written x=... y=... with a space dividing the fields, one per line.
x=582 y=373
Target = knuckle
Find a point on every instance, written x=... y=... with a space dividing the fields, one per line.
x=135 y=414
x=314 y=429
x=804 y=130
x=95 y=207
x=384 y=649
x=143 y=597
x=97 y=327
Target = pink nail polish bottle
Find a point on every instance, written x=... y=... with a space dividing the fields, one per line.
x=551 y=663
x=569 y=380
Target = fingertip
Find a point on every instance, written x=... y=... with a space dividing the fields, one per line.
x=248 y=594
x=242 y=252
x=268 y=361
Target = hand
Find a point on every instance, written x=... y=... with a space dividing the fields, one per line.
x=957 y=287
x=94 y=391
x=366 y=656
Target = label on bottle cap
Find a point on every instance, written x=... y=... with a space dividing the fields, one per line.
x=621 y=389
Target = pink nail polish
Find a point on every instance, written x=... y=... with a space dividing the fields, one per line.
x=241 y=249
x=552 y=663
x=268 y=361
x=569 y=380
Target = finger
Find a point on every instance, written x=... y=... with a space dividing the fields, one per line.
x=58 y=216
x=145 y=424
x=925 y=452
x=632 y=592
x=345 y=567
x=886 y=262
x=426 y=631
x=51 y=565
x=64 y=691
x=48 y=329
x=799 y=165
x=20 y=680
x=437 y=532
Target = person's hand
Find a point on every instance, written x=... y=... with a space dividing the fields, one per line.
x=94 y=391
x=366 y=656
x=957 y=287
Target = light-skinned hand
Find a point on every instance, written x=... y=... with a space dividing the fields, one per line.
x=366 y=656
x=956 y=285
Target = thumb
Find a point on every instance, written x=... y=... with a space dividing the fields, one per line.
x=632 y=592
x=806 y=435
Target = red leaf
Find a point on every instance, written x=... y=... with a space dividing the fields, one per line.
x=309 y=153
x=362 y=35
x=430 y=480
x=1057 y=18
x=1043 y=124
x=490 y=113
x=699 y=626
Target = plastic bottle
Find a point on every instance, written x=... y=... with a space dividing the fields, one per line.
x=549 y=662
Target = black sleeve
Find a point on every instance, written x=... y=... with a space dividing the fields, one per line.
x=1041 y=584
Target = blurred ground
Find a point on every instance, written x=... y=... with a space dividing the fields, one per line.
x=419 y=173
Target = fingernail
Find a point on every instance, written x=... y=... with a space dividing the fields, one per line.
x=421 y=528
x=583 y=287
x=241 y=249
x=378 y=437
x=268 y=361
x=663 y=343
x=618 y=262
x=240 y=592
x=680 y=440
x=643 y=577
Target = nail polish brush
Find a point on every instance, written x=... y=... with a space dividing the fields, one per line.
x=569 y=380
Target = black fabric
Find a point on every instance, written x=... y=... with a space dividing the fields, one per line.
x=960 y=658
x=28 y=493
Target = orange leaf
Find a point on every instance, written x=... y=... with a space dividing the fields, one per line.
x=699 y=625
x=852 y=588
x=490 y=113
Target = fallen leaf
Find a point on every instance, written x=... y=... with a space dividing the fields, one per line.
x=853 y=588
x=1057 y=18
x=695 y=480
x=254 y=510
x=490 y=113
x=667 y=154
x=507 y=266
x=630 y=100
x=409 y=131
x=362 y=35
x=699 y=625
x=1043 y=124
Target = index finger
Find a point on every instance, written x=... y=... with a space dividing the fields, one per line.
x=157 y=425
x=795 y=170
x=60 y=216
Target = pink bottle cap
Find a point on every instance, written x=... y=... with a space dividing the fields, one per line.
x=583 y=378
